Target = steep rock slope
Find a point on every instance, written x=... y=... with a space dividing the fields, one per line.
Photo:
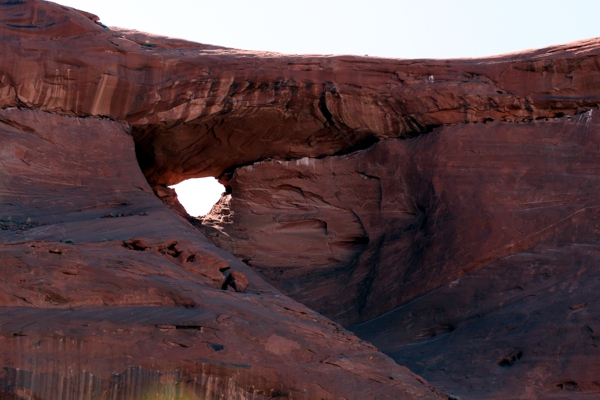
x=106 y=293
x=421 y=202
x=468 y=254
x=376 y=228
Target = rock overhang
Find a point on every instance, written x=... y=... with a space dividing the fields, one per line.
x=197 y=110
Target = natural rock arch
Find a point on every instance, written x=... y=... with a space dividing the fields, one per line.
x=439 y=248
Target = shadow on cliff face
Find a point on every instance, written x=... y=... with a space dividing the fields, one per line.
x=460 y=239
x=107 y=293
x=475 y=244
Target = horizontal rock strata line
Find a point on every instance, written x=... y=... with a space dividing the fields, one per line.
x=105 y=291
x=201 y=110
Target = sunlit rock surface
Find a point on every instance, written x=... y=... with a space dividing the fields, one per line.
x=107 y=293
x=444 y=210
x=236 y=107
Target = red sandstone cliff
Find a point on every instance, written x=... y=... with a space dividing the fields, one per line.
x=107 y=293
x=443 y=210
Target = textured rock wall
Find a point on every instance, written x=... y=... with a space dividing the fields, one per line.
x=201 y=110
x=474 y=247
x=444 y=210
x=106 y=293
x=356 y=235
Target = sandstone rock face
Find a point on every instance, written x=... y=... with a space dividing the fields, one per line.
x=200 y=110
x=443 y=210
x=477 y=243
x=107 y=293
x=379 y=227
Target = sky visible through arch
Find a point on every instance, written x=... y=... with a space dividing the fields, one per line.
x=380 y=28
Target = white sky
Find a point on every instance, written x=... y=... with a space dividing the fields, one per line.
x=383 y=28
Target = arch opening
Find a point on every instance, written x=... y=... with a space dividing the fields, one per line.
x=198 y=195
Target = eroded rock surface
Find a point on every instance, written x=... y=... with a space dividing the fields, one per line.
x=107 y=293
x=444 y=210
x=484 y=235
x=200 y=110
x=379 y=227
